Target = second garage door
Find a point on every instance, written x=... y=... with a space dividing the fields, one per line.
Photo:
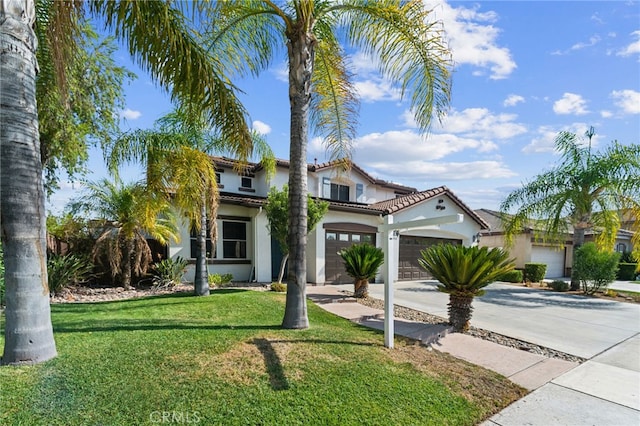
x=408 y=267
x=554 y=259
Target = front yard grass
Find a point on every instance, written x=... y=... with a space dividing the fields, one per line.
x=223 y=359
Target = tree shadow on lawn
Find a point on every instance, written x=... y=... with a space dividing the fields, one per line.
x=148 y=325
x=273 y=364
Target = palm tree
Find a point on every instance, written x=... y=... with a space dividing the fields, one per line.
x=245 y=34
x=585 y=191
x=129 y=212
x=463 y=272
x=362 y=262
x=176 y=60
x=176 y=157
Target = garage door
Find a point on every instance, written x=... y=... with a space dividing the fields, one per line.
x=408 y=267
x=334 y=242
x=553 y=258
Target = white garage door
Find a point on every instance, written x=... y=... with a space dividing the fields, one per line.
x=553 y=258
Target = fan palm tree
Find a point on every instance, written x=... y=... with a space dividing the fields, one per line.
x=176 y=60
x=585 y=191
x=463 y=272
x=362 y=262
x=408 y=49
x=129 y=212
x=176 y=157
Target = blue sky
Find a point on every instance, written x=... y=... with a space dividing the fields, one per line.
x=523 y=72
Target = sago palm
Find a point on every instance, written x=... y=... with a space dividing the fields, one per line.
x=463 y=272
x=129 y=212
x=362 y=261
x=585 y=191
x=401 y=37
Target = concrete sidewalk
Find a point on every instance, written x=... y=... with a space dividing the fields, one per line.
x=605 y=390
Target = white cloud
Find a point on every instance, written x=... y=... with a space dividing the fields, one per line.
x=262 y=128
x=544 y=141
x=473 y=38
x=281 y=72
x=593 y=40
x=425 y=171
x=633 y=47
x=606 y=114
x=130 y=114
x=570 y=103
x=377 y=89
x=480 y=122
x=513 y=100
x=627 y=100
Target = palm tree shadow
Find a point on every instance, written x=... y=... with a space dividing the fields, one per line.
x=273 y=364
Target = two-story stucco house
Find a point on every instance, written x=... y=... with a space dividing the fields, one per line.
x=358 y=204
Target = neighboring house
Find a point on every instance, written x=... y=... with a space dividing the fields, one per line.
x=358 y=204
x=528 y=247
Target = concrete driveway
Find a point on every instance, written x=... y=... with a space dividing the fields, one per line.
x=573 y=324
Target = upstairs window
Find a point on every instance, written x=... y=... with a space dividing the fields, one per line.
x=339 y=192
x=246 y=182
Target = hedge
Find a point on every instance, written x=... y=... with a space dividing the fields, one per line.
x=514 y=276
x=626 y=271
x=534 y=272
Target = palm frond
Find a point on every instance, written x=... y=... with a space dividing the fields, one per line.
x=177 y=59
x=410 y=49
x=464 y=271
x=334 y=105
x=362 y=261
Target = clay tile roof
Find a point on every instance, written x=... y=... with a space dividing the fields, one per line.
x=400 y=203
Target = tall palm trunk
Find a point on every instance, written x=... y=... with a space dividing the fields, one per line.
x=578 y=241
x=460 y=311
x=201 y=278
x=301 y=55
x=28 y=331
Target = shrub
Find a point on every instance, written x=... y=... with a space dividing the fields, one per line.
x=279 y=287
x=627 y=257
x=595 y=269
x=514 y=276
x=67 y=270
x=219 y=280
x=626 y=271
x=361 y=261
x=169 y=272
x=559 y=285
x=463 y=272
x=534 y=272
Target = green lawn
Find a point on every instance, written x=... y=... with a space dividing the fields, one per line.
x=223 y=359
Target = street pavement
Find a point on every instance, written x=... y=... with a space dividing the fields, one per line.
x=604 y=390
